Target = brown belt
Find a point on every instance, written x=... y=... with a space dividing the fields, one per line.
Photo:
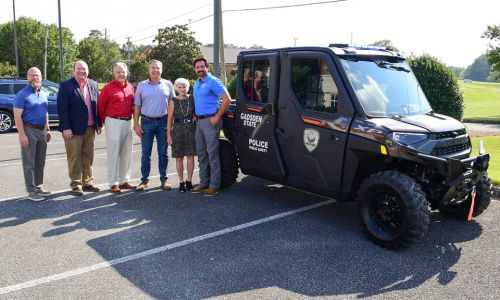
x=34 y=126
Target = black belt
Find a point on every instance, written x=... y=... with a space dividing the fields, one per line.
x=34 y=126
x=183 y=121
x=153 y=118
x=121 y=118
x=201 y=117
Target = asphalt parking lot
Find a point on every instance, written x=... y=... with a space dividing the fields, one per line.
x=255 y=240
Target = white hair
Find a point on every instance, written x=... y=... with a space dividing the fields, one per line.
x=124 y=66
x=182 y=81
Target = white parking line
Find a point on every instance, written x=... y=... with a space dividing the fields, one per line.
x=113 y=262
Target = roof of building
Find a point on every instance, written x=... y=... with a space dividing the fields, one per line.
x=231 y=54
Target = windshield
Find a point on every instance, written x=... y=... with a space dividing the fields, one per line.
x=386 y=89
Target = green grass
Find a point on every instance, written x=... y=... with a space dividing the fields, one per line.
x=492 y=146
x=481 y=101
x=101 y=85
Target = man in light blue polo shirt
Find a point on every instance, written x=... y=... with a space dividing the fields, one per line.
x=150 y=103
x=32 y=122
x=211 y=102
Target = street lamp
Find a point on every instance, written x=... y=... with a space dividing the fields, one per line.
x=15 y=38
x=61 y=54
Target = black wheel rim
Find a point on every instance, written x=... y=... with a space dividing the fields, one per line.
x=387 y=212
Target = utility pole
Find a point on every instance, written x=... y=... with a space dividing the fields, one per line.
x=223 y=76
x=45 y=54
x=128 y=52
x=106 y=45
x=15 y=38
x=216 y=37
x=295 y=42
x=61 y=51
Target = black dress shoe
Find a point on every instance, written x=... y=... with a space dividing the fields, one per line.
x=76 y=191
x=189 y=185
x=91 y=188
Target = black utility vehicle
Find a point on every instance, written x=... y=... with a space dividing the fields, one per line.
x=352 y=123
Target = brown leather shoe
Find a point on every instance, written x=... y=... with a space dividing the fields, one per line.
x=91 y=188
x=199 y=189
x=166 y=185
x=142 y=186
x=211 y=192
x=115 y=189
x=76 y=191
x=127 y=186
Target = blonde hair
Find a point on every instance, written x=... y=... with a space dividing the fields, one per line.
x=182 y=81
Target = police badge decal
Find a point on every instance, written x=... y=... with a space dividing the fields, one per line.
x=311 y=139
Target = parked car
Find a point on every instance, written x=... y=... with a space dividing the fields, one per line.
x=9 y=87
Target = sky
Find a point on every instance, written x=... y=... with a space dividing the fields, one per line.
x=446 y=29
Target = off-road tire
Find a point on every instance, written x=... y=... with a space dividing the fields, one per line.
x=393 y=209
x=228 y=163
x=481 y=203
x=6 y=121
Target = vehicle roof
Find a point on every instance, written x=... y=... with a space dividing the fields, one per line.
x=337 y=49
x=23 y=80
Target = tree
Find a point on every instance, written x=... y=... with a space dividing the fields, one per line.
x=493 y=54
x=385 y=43
x=177 y=49
x=457 y=71
x=439 y=85
x=7 y=70
x=139 y=68
x=31 y=41
x=256 y=47
x=100 y=54
x=479 y=70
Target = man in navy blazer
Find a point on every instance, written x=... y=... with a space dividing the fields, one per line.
x=78 y=121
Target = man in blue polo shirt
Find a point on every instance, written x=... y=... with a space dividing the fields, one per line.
x=32 y=122
x=150 y=103
x=211 y=102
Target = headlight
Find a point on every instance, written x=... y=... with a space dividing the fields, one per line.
x=407 y=138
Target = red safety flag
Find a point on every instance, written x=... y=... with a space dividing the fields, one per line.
x=471 y=210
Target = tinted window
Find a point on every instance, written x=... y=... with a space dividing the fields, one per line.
x=18 y=87
x=256 y=80
x=51 y=90
x=5 y=89
x=386 y=88
x=313 y=85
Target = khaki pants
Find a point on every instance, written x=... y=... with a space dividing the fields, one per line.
x=80 y=156
x=119 y=140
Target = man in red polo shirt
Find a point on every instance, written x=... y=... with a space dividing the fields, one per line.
x=115 y=107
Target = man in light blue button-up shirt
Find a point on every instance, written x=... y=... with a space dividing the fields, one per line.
x=150 y=103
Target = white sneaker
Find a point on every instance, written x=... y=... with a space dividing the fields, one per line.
x=34 y=196
x=42 y=192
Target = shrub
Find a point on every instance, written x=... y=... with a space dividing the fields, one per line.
x=439 y=85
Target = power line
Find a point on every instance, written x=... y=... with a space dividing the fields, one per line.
x=283 y=6
x=166 y=21
x=253 y=9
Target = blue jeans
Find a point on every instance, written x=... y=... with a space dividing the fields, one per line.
x=151 y=129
